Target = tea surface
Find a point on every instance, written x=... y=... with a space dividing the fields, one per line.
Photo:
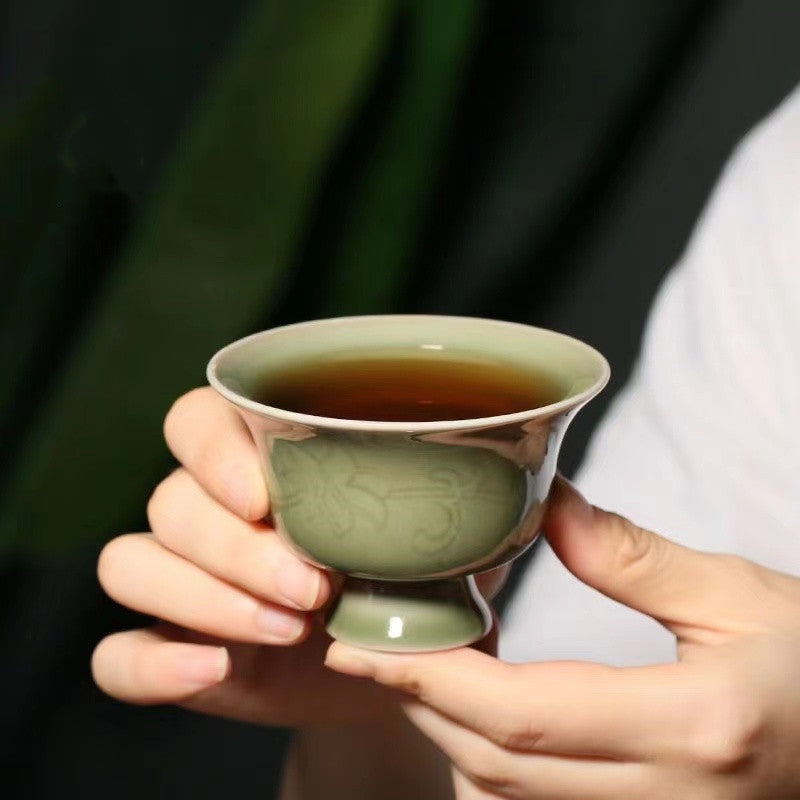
x=407 y=388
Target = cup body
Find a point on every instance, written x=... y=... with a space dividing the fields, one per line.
x=409 y=501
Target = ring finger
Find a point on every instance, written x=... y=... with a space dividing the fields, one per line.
x=138 y=572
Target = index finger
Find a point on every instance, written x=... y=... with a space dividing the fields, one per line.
x=207 y=435
x=570 y=708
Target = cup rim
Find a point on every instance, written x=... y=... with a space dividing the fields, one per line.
x=574 y=401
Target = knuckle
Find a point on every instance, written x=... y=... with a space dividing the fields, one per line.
x=401 y=676
x=164 y=508
x=762 y=595
x=762 y=585
x=464 y=788
x=113 y=563
x=489 y=769
x=183 y=407
x=723 y=752
x=740 y=568
x=228 y=554
x=521 y=734
x=157 y=504
x=518 y=728
x=637 y=549
x=173 y=418
x=97 y=664
x=120 y=670
x=210 y=462
x=139 y=672
x=728 y=742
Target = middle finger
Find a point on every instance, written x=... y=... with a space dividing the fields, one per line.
x=190 y=523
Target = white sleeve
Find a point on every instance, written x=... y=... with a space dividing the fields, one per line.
x=701 y=446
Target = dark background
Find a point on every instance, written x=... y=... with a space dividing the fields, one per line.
x=174 y=175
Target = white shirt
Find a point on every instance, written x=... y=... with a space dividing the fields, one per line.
x=703 y=446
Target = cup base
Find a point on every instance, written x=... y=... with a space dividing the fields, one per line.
x=409 y=617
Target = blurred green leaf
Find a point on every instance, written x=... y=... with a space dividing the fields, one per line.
x=387 y=209
x=207 y=260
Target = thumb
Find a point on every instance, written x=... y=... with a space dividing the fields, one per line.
x=674 y=584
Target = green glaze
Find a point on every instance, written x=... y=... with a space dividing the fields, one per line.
x=392 y=506
x=402 y=504
x=409 y=617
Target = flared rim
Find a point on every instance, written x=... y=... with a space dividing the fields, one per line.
x=574 y=401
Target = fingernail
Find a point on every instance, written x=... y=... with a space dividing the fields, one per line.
x=278 y=625
x=202 y=667
x=342 y=658
x=298 y=584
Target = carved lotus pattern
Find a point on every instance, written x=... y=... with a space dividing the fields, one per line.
x=380 y=502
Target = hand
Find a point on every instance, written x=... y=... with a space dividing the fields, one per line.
x=237 y=634
x=722 y=722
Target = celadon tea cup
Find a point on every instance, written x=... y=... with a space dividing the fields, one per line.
x=409 y=512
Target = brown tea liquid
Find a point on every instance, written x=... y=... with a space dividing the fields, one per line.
x=407 y=388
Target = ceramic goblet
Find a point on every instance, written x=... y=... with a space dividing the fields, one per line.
x=409 y=512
